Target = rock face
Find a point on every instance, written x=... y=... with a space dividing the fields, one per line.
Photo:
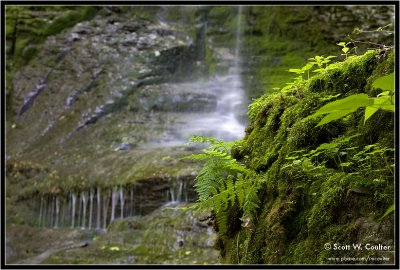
x=98 y=132
x=100 y=94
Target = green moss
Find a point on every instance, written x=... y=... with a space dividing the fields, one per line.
x=310 y=202
x=68 y=19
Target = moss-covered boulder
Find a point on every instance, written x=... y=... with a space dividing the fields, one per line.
x=323 y=186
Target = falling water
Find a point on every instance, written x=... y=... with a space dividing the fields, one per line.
x=121 y=199
x=78 y=210
x=180 y=190
x=57 y=212
x=114 y=201
x=91 y=208
x=73 y=197
x=175 y=192
x=222 y=123
x=84 y=203
x=98 y=226
x=238 y=38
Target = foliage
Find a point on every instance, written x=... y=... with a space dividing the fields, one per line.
x=388 y=211
x=371 y=160
x=223 y=181
x=318 y=181
x=318 y=61
x=342 y=107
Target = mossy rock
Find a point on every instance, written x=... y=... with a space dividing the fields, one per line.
x=304 y=205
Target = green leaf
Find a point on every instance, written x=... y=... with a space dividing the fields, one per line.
x=346 y=164
x=326 y=146
x=385 y=82
x=384 y=103
x=296 y=70
x=345 y=49
x=319 y=70
x=341 y=44
x=308 y=66
x=369 y=111
x=388 y=211
x=352 y=102
x=334 y=116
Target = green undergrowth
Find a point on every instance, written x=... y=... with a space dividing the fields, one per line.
x=325 y=184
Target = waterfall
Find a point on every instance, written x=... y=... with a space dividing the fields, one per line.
x=175 y=192
x=73 y=198
x=222 y=122
x=238 y=45
x=180 y=190
x=114 y=201
x=57 y=212
x=98 y=226
x=172 y=193
x=121 y=199
x=91 y=208
x=84 y=203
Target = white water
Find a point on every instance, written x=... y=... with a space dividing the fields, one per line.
x=84 y=203
x=73 y=210
x=98 y=226
x=114 y=201
x=121 y=199
x=91 y=208
x=57 y=212
x=222 y=122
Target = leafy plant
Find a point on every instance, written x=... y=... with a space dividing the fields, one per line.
x=345 y=47
x=372 y=159
x=388 y=211
x=223 y=182
x=342 y=107
x=320 y=61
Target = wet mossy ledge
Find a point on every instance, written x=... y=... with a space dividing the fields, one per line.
x=306 y=204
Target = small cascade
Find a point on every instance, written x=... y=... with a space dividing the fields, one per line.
x=91 y=208
x=84 y=204
x=57 y=212
x=175 y=192
x=73 y=198
x=98 y=225
x=114 y=202
x=51 y=211
x=96 y=208
x=121 y=199
x=79 y=211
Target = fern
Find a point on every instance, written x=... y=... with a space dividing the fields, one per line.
x=223 y=181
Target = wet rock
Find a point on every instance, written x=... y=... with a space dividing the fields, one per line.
x=124 y=146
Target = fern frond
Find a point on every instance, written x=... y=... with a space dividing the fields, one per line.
x=223 y=181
